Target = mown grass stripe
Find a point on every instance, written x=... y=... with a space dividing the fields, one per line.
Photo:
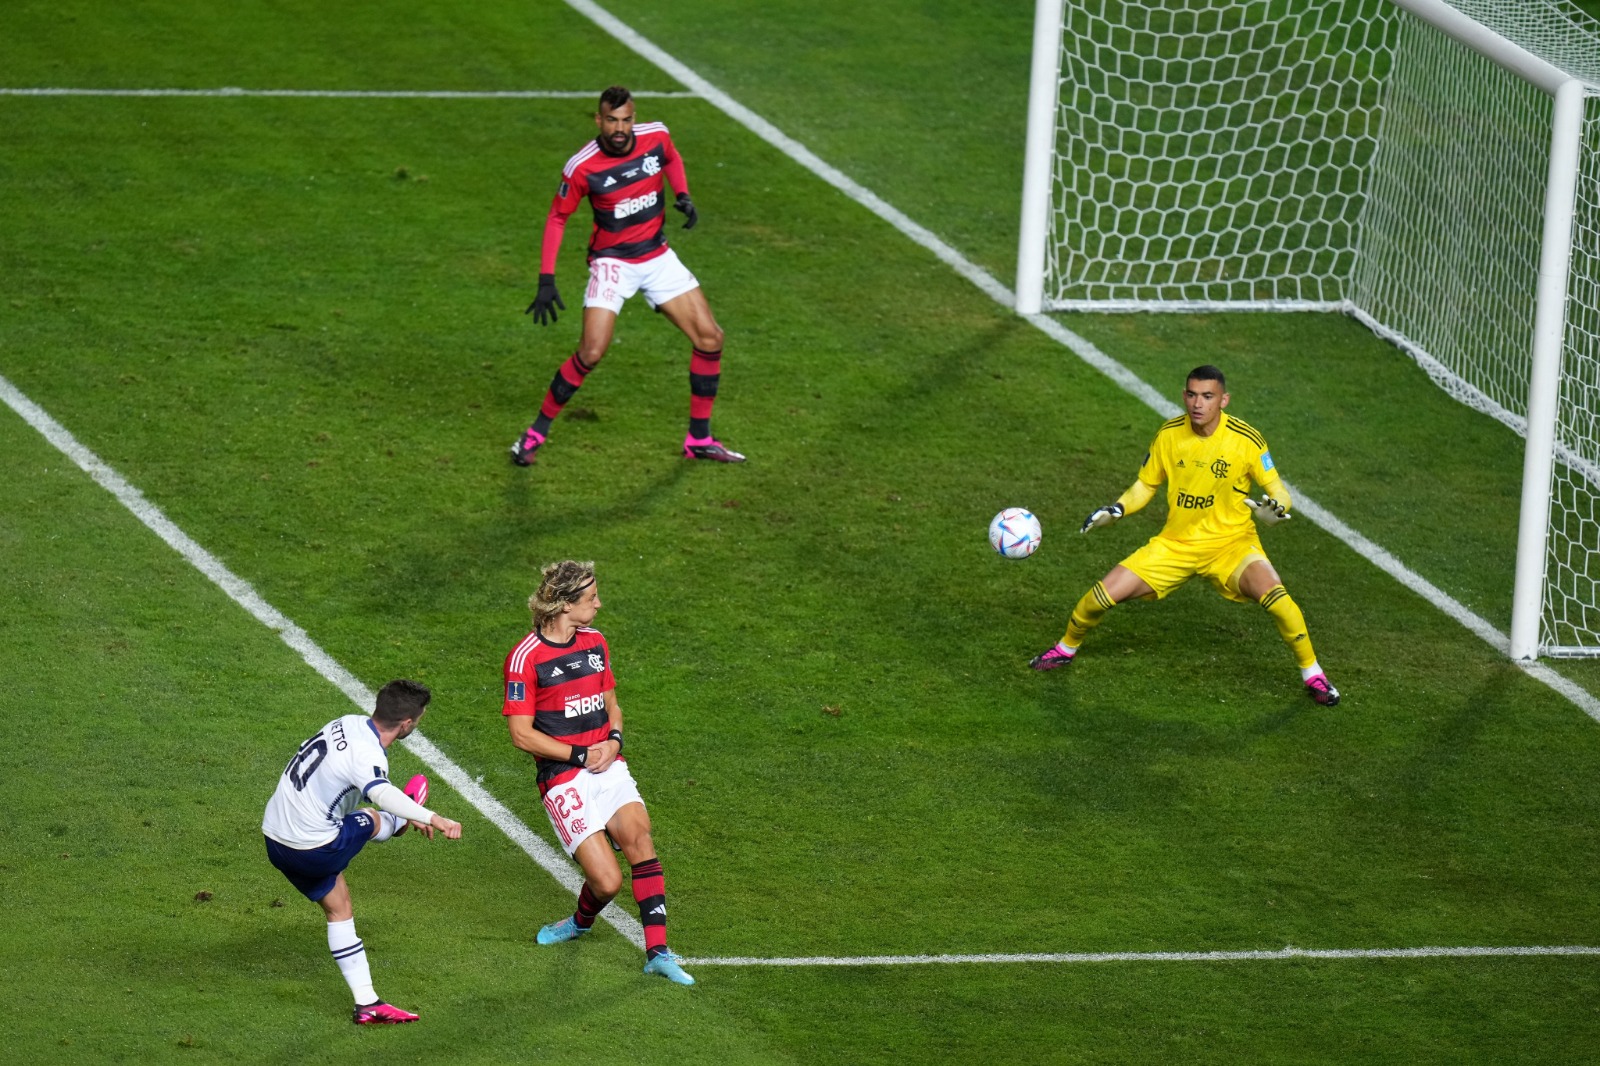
x=240 y=591
x=1079 y=346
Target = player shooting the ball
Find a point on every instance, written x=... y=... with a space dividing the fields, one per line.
x=1208 y=460
x=313 y=828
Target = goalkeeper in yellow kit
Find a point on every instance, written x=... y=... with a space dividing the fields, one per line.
x=1208 y=460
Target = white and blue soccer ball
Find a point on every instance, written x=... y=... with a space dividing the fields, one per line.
x=1015 y=533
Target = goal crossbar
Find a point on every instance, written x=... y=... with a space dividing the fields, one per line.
x=1424 y=166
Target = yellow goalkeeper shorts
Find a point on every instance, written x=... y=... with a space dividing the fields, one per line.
x=1166 y=564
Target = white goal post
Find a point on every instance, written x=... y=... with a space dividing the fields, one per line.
x=1428 y=167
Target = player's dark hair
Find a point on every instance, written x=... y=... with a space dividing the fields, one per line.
x=560 y=584
x=399 y=701
x=614 y=98
x=1208 y=373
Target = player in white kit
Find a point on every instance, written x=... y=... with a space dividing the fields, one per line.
x=313 y=827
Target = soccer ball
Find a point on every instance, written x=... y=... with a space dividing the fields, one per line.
x=1015 y=533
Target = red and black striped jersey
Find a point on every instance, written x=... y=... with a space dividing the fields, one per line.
x=626 y=193
x=563 y=687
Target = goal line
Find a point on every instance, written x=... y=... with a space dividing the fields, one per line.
x=1154 y=956
x=536 y=848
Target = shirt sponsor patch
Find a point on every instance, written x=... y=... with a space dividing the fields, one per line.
x=516 y=691
x=567 y=671
x=1266 y=460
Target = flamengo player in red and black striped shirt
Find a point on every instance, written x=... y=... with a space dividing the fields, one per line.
x=561 y=706
x=623 y=172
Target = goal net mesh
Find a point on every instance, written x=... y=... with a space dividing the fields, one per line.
x=1571 y=620
x=1211 y=152
x=1343 y=155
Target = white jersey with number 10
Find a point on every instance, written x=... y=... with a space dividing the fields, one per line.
x=327 y=779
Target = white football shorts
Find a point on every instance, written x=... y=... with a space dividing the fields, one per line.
x=581 y=807
x=612 y=281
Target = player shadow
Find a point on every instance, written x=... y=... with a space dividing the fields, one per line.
x=539 y=497
x=1456 y=738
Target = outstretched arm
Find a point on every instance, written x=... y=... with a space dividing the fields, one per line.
x=396 y=802
x=548 y=300
x=1274 y=487
x=1274 y=506
x=1135 y=498
x=555 y=228
x=680 y=185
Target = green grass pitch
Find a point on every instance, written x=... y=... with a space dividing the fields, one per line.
x=295 y=325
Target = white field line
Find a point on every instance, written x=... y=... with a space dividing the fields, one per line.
x=1079 y=346
x=348 y=94
x=547 y=857
x=1148 y=956
x=238 y=590
x=550 y=859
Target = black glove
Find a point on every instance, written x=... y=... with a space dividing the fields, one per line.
x=546 y=302
x=686 y=205
x=1102 y=516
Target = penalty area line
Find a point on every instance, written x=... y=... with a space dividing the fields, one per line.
x=1080 y=346
x=237 y=589
x=1153 y=956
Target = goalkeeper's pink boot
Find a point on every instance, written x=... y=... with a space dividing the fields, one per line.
x=1051 y=658
x=1322 y=690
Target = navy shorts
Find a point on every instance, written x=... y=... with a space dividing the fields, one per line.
x=315 y=870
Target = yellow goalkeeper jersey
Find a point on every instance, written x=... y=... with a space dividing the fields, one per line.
x=1208 y=478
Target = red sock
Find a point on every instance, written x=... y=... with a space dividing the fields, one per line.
x=705 y=372
x=589 y=907
x=568 y=379
x=650 y=892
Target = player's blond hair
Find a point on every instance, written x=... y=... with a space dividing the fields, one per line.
x=560 y=584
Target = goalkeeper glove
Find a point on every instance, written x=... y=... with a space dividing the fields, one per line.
x=686 y=205
x=1268 y=511
x=547 y=300
x=1102 y=516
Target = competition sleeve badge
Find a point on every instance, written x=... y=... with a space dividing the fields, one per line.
x=516 y=691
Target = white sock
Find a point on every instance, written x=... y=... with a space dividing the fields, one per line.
x=1064 y=650
x=351 y=955
x=388 y=826
x=1308 y=672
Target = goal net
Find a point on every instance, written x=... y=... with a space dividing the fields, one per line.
x=1394 y=160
